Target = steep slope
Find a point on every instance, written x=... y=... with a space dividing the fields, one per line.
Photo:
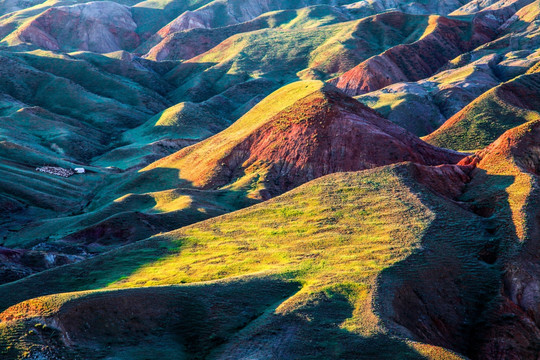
x=172 y=44
x=164 y=322
x=220 y=13
x=526 y=17
x=505 y=189
x=286 y=55
x=219 y=219
x=57 y=112
x=62 y=110
x=422 y=106
x=504 y=192
x=102 y=26
x=490 y=115
x=161 y=12
x=349 y=238
x=371 y=7
x=518 y=38
x=477 y=6
x=180 y=40
x=444 y=39
x=74 y=88
x=182 y=125
x=303 y=131
x=148 y=74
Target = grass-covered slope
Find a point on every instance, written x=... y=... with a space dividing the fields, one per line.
x=345 y=244
x=415 y=260
x=184 y=124
x=286 y=55
x=443 y=39
x=78 y=93
x=514 y=101
x=367 y=8
x=222 y=13
x=480 y=123
x=171 y=43
x=422 y=106
x=62 y=110
x=506 y=191
x=161 y=322
x=302 y=131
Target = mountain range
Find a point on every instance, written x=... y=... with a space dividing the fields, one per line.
x=270 y=179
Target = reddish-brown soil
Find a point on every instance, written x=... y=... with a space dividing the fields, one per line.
x=324 y=133
x=99 y=26
x=446 y=39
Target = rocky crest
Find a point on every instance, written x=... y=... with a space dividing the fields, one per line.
x=102 y=27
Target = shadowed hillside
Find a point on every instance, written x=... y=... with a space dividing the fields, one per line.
x=491 y=114
x=312 y=245
x=195 y=180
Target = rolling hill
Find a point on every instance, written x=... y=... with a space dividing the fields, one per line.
x=443 y=40
x=233 y=179
x=296 y=135
x=289 y=138
x=338 y=288
x=486 y=118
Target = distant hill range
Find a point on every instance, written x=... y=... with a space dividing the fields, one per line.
x=269 y=179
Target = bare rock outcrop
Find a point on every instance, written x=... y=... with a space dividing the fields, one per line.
x=102 y=26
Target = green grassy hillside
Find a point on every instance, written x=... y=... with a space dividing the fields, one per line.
x=63 y=111
x=186 y=44
x=237 y=205
x=421 y=107
x=184 y=124
x=294 y=135
x=285 y=55
x=349 y=244
x=491 y=114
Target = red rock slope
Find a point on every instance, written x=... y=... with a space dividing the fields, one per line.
x=443 y=40
x=301 y=132
x=103 y=27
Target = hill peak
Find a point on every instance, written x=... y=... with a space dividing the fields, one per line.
x=301 y=132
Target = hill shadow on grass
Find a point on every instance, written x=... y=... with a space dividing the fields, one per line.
x=132 y=212
x=223 y=320
x=441 y=294
x=312 y=331
x=176 y=321
x=123 y=223
x=409 y=301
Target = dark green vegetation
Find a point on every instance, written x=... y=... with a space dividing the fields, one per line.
x=326 y=234
x=236 y=205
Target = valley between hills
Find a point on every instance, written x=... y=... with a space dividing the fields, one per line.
x=269 y=179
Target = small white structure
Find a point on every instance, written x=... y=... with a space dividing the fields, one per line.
x=79 y=170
